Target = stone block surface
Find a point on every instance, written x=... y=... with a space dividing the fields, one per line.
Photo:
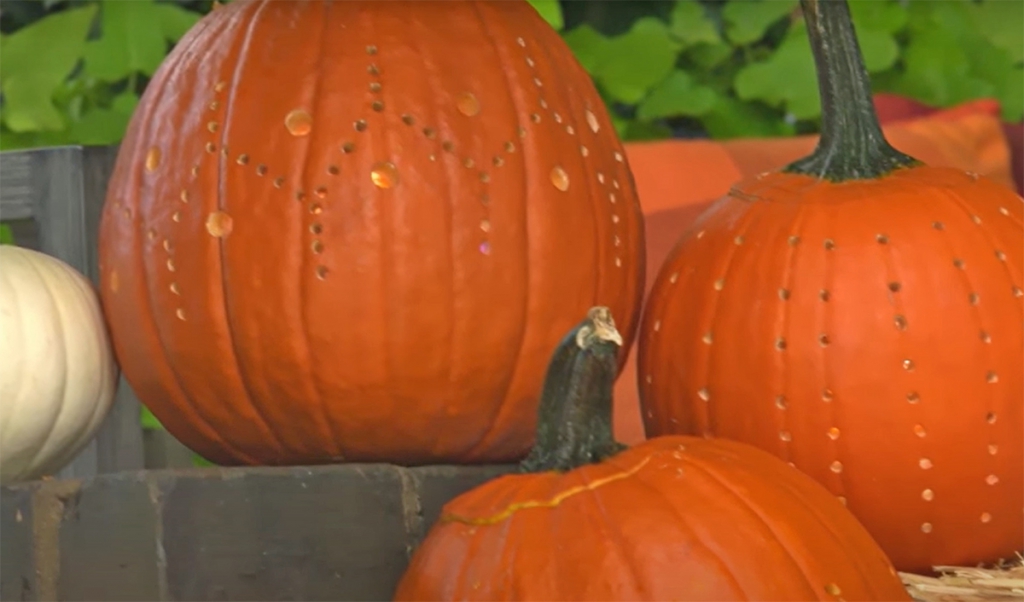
x=342 y=532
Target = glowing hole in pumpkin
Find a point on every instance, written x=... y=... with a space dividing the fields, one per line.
x=993 y=449
x=299 y=122
x=1017 y=292
x=938 y=225
x=618 y=262
x=824 y=295
x=321 y=272
x=895 y=287
x=1000 y=256
x=348 y=148
x=377 y=106
x=704 y=394
x=570 y=130
x=833 y=433
x=780 y=402
x=738 y=240
x=990 y=418
x=317 y=247
x=827 y=395
x=448 y=146
x=242 y=159
x=882 y=239
x=991 y=479
x=212 y=126
x=823 y=340
x=584 y=151
x=991 y=378
x=510 y=147
x=973 y=298
x=468 y=162
x=535 y=117
x=706 y=338
x=384 y=175
x=153 y=157
x=592 y=121
x=919 y=430
x=785 y=436
x=780 y=344
x=176 y=216
x=468 y=104
x=375 y=87
x=371 y=49
x=976 y=219
x=408 y=119
x=180 y=313
x=174 y=288
x=168 y=246
x=485 y=248
x=832 y=589
x=926 y=527
x=986 y=517
x=913 y=397
x=184 y=196
x=279 y=183
x=618 y=157
x=485 y=225
x=900 y=322
x=836 y=467
x=985 y=337
x=793 y=241
x=360 y=125
x=1004 y=211
x=214 y=105
x=719 y=284
x=261 y=170
x=170 y=265
x=498 y=161
x=560 y=178
x=908 y=364
x=924 y=463
x=219 y=224
x=211 y=147
x=783 y=294
x=958 y=263
x=373 y=69
x=151 y=234
x=674 y=277
x=115 y=281
x=829 y=244
x=927 y=495
x=316 y=228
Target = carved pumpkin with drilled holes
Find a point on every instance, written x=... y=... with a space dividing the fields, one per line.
x=859 y=315
x=352 y=230
x=57 y=374
x=672 y=518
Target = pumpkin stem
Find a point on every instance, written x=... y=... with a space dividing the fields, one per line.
x=852 y=146
x=574 y=425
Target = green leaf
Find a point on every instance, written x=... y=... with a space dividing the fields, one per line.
x=134 y=37
x=879 y=49
x=175 y=21
x=632 y=63
x=689 y=23
x=589 y=46
x=936 y=68
x=148 y=420
x=707 y=56
x=786 y=80
x=677 y=95
x=731 y=118
x=35 y=60
x=6 y=235
x=551 y=11
x=1001 y=20
x=887 y=16
x=637 y=131
x=748 y=20
x=103 y=126
x=201 y=462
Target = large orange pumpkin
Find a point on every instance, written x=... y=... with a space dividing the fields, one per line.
x=859 y=315
x=673 y=518
x=352 y=230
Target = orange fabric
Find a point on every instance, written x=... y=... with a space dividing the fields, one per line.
x=678 y=179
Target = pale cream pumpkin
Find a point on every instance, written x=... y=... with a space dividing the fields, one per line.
x=57 y=369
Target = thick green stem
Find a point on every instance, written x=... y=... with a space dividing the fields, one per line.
x=852 y=146
x=574 y=424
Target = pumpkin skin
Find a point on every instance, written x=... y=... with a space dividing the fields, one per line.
x=58 y=375
x=352 y=230
x=869 y=331
x=673 y=518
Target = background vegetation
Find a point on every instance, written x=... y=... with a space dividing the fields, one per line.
x=71 y=71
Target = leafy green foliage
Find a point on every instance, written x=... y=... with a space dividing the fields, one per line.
x=730 y=68
x=6 y=235
x=74 y=76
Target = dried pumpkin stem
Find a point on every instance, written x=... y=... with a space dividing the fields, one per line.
x=852 y=146
x=575 y=416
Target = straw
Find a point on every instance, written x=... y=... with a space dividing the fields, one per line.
x=969 y=584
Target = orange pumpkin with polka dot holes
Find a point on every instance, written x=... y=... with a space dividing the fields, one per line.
x=858 y=314
x=355 y=230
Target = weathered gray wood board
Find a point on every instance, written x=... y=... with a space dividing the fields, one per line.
x=62 y=190
x=342 y=532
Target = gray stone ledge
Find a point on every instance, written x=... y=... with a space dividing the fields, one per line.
x=341 y=532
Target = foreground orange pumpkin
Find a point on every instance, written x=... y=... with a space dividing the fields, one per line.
x=859 y=315
x=354 y=229
x=673 y=518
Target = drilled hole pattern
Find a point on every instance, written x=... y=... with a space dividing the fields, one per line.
x=781 y=341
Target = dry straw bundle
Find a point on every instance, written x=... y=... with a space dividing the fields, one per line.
x=969 y=584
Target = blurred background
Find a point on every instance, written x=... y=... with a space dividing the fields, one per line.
x=71 y=71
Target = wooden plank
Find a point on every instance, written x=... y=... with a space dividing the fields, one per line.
x=63 y=188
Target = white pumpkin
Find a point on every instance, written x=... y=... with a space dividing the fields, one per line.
x=57 y=370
